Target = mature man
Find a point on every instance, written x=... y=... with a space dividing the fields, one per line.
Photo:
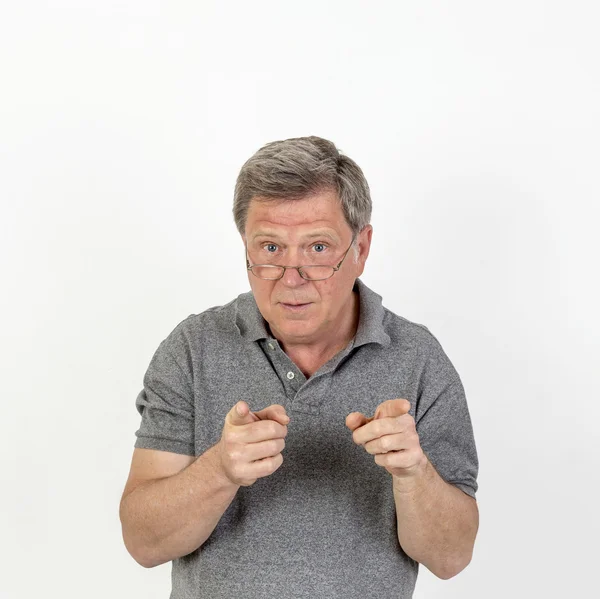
x=299 y=364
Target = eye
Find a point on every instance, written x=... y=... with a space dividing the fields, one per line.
x=270 y=245
x=319 y=245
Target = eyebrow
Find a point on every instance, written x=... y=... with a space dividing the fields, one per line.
x=314 y=234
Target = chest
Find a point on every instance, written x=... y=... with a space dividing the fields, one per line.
x=317 y=404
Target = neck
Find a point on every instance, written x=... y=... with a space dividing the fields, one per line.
x=309 y=357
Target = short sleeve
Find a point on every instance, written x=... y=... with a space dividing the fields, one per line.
x=444 y=424
x=166 y=405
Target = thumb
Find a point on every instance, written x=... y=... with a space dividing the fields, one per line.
x=241 y=414
x=392 y=407
x=355 y=420
x=273 y=412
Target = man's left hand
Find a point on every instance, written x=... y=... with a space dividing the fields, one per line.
x=391 y=436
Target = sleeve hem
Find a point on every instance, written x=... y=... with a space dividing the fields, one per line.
x=463 y=487
x=171 y=445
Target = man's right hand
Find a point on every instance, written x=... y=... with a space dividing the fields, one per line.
x=251 y=442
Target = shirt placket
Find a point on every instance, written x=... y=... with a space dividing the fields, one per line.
x=292 y=378
x=306 y=394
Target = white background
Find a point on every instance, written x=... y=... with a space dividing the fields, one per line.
x=123 y=126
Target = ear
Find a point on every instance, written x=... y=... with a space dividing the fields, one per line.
x=364 y=245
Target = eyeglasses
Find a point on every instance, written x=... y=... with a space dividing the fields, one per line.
x=310 y=272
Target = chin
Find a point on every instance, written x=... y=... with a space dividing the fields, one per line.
x=296 y=327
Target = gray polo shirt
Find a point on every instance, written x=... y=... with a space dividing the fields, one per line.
x=324 y=524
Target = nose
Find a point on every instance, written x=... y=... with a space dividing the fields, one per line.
x=291 y=278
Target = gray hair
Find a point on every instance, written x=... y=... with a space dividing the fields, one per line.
x=293 y=169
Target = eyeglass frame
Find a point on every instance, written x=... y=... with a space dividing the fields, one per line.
x=335 y=268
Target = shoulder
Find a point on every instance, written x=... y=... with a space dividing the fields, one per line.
x=418 y=338
x=216 y=321
x=402 y=329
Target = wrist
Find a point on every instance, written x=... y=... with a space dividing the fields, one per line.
x=414 y=478
x=216 y=465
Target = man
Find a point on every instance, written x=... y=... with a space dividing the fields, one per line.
x=302 y=440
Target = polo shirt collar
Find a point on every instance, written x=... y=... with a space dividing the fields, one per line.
x=252 y=325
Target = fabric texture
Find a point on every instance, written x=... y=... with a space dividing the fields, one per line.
x=324 y=524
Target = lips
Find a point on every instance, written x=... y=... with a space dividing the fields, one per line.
x=295 y=308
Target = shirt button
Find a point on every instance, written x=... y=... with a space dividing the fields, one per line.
x=271 y=346
x=290 y=375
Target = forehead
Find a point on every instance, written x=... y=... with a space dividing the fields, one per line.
x=297 y=218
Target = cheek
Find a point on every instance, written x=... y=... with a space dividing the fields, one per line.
x=265 y=293
x=332 y=290
x=260 y=291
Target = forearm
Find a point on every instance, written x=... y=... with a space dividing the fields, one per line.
x=171 y=517
x=437 y=522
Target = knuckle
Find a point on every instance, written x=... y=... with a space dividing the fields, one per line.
x=274 y=462
x=235 y=472
x=233 y=436
x=269 y=464
x=409 y=458
x=235 y=455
